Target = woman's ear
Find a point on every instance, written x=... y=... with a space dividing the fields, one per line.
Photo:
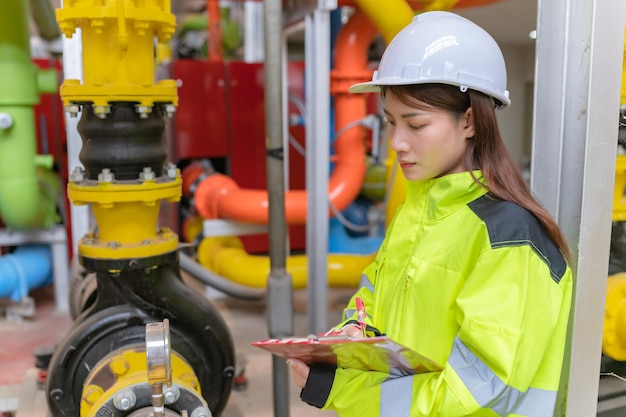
x=468 y=119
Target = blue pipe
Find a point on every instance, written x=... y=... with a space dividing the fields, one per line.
x=28 y=267
x=339 y=241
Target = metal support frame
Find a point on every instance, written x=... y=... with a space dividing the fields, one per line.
x=279 y=282
x=317 y=66
x=577 y=89
x=73 y=69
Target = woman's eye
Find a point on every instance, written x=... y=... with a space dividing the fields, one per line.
x=391 y=122
x=415 y=127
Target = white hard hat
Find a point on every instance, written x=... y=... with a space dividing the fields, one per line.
x=442 y=47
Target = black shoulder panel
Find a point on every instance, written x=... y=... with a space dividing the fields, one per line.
x=509 y=224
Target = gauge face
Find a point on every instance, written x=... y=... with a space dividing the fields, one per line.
x=158 y=353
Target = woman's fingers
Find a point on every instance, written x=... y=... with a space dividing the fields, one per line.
x=300 y=371
x=353 y=331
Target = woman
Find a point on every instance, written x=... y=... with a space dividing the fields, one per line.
x=473 y=272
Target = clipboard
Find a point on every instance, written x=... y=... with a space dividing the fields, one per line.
x=369 y=354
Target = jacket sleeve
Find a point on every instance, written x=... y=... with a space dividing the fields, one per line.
x=365 y=292
x=512 y=320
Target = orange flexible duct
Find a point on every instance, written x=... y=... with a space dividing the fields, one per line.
x=219 y=196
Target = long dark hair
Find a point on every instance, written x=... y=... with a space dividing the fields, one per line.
x=486 y=150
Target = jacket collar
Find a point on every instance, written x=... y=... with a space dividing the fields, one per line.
x=437 y=197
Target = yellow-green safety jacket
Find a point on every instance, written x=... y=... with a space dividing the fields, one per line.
x=473 y=283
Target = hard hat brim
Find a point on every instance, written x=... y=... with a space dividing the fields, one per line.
x=375 y=87
x=367 y=87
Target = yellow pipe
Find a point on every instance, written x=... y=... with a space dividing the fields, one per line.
x=226 y=257
x=126 y=215
x=397 y=14
x=614 y=332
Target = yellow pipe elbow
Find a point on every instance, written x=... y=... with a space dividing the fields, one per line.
x=397 y=14
x=226 y=257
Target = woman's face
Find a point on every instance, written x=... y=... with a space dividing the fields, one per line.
x=428 y=142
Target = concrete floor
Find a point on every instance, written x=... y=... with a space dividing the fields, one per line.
x=247 y=323
x=245 y=319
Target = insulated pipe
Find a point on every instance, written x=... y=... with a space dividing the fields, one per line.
x=26 y=268
x=21 y=205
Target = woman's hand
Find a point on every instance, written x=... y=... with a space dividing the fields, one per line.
x=300 y=371
x=353 y=331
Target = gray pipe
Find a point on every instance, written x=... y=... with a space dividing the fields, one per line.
x=218 y=282
x=44 y=17
x=279 y=282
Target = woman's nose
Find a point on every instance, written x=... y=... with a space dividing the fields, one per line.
x=398 y=142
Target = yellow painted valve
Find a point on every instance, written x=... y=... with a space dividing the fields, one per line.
x=126 y=213
x=119 y=381
x=118 y=38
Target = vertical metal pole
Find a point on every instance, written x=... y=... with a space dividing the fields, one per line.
x=73 y=69
x=279 y=283
x=317 y=66
x=577 y=88
x=253 y=32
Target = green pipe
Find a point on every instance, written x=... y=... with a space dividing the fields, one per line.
x=23 y=203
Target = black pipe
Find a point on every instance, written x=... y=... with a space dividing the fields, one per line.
x=126 y=301
x=122 y=141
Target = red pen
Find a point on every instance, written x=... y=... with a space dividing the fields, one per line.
x=361 y=315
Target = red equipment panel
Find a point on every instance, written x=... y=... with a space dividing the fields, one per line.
x=247 y=140
x=221 y=114
x=200 y=120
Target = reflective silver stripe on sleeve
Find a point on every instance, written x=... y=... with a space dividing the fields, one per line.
x=396 y=395
x=490 y=392
x=535 y=403
x=365 y=283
